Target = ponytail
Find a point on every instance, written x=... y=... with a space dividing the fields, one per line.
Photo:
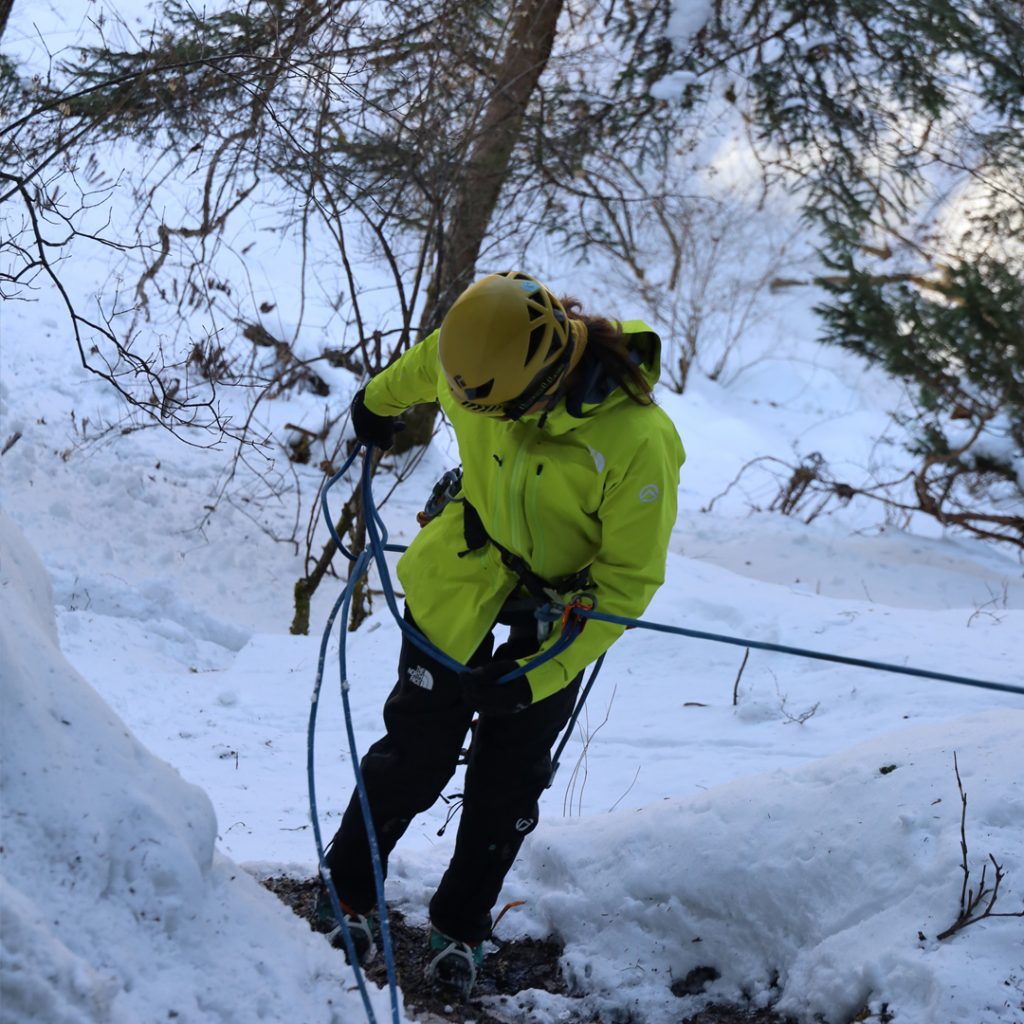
x=608 y=346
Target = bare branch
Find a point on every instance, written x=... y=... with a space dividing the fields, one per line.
x=971 y=900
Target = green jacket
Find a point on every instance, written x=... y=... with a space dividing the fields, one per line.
x=597 y=489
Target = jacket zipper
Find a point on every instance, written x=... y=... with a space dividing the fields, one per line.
x=534 y=517
x=520 y=535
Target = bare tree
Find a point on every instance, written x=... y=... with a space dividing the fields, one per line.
x=941 y=487
x=417 y=138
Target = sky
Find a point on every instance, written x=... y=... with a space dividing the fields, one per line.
x=795 y=825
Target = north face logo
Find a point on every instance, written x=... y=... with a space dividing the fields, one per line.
x=419 y=676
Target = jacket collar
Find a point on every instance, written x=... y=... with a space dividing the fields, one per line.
x=596 y=391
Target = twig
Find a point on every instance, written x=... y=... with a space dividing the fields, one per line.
x=801 y=716
x=739 y=675
x=580 y=769
x=969 y=899
x=963 y=835
x=636 y=775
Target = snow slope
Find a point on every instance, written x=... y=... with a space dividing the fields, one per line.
x=819 y=888
x=116 y=904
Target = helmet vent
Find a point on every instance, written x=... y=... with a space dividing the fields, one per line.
x=527 y=283
x=536 y=337
x=473 y=394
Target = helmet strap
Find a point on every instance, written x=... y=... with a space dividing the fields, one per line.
x=577 y=343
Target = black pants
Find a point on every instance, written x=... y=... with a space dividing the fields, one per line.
x=508 y=768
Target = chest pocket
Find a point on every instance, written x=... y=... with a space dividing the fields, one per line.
x=545 y=507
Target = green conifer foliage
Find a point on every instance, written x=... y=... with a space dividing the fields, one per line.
x=901 y=126
x=959 y=345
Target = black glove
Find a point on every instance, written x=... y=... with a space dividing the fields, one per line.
x=373 y=429
x=481 y=689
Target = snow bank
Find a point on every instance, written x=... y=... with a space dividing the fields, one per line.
x=820 y=888
x=116 y=907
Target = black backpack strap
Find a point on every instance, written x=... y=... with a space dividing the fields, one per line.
x=472 y=529
x=539 y=589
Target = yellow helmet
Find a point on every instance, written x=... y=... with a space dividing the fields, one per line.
x=505 y=344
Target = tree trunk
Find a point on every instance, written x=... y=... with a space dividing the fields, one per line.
x=486 y=169
x=477 y=188
x=479 y=185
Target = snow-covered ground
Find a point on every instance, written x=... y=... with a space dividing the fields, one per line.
x=766 y=830
x=801 y=838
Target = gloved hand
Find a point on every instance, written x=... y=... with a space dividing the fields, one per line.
x=371 y=428
x=481 y=689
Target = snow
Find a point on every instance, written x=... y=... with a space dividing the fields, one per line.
x=813 y=880
x=765 y=829
x=155 y=710
x=116 y=901
x=687 y=19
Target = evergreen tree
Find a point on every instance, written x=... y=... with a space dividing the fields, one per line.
x=902 y=127
x=959 y=344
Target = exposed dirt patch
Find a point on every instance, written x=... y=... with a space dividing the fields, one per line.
x=516 y=966
x=511 y=969
x=736 y=1015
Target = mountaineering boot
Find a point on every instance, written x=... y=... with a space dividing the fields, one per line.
x=360 y=928
x=453 y=968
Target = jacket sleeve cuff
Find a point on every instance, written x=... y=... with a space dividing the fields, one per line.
x=547 y=679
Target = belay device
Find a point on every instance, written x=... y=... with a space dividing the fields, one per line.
x=444 y=491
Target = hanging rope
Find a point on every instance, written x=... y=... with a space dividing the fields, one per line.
x=376 y=548
x=343 y=605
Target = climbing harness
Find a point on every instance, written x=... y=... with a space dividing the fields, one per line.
x=545 y=598
x=573 y=616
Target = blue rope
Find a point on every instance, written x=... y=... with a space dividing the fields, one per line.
x=362 y=564
x=342 y=604
x=326 y=509
x=799 y=652
x=377 y=536
x=418 y=638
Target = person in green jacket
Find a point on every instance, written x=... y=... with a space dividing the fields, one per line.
x=568 y=487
